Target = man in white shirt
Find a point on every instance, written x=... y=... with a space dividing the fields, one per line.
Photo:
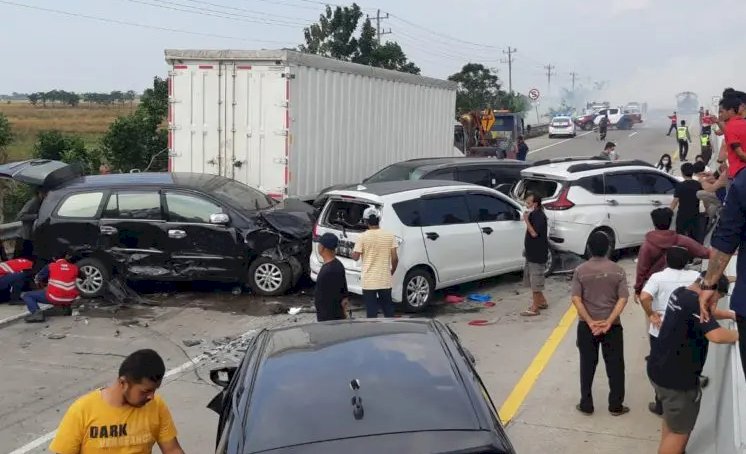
x=656 y=293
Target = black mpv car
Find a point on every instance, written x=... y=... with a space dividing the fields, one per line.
x=165 y=226
x=356 y=386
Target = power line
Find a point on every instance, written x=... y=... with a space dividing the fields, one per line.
x=437 y=51
x=233 y=8
x=134 y=24
x=451 y=38
x=221 y=15
x=510 y=53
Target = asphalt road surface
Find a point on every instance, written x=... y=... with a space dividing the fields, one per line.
x=529 y=366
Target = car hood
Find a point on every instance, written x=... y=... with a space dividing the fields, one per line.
x=44 y=173
x=291 y=217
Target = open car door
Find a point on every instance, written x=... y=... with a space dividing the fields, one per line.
x=40 y=172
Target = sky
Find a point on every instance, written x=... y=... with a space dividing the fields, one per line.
x=643 y=50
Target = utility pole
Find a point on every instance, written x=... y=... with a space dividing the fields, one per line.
x=573 y=75
x=509 y=61
x=549 y=69
x=380 y=32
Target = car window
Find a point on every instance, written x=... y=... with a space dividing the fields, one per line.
x=613 y=111
x=487 y=208
x=408 y=212
x=134 y=205
x=84 y=205
x=652 y=183
x=446 y=174
x=623 y=183
x=482 y=177
x=593 y=184
x=189 y=208
x=444 y=210
x=394 y=172
x=543 y=188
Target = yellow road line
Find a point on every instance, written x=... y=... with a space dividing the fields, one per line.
x=523 y=387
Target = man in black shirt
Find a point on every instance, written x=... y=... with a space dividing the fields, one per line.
x=685 y=198
x=677 y=357
x=536 y=250
x=330 y=297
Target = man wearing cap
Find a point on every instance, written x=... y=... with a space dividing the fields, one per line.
x=330 y=297
x=377 y=248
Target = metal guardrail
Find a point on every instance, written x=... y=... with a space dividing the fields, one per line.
x=537 y=130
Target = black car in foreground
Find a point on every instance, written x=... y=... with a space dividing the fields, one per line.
x=356 y=386
x=164 y=227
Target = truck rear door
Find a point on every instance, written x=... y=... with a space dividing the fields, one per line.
x=257 y=124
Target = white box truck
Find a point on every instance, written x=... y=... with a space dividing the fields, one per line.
x=292 y=124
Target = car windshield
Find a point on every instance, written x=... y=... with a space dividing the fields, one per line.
x=394 y=172
x=240 y=195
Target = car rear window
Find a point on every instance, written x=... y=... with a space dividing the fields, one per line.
x=542 y=188
x=394 y=172
x=84 y=205
x=345 y=215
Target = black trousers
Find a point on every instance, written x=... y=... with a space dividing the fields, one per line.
x=683 y=149
x=378 y=300
x=612 y=349
x=707 y=154
x=692 y=227
x=741 y=322
x=672 y=128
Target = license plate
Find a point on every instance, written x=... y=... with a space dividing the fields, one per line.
x=345 y=248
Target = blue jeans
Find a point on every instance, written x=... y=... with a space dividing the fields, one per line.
x=32 y=299
x=12 y=284
x=378 y=299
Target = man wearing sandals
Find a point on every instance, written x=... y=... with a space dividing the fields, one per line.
x=599 y=293
x=536 y=250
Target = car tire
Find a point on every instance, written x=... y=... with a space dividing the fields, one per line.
x=549 y=267
x=268 y=277
x=612 y=255
x=96 y=277
x=551 y=136
x=417 y=281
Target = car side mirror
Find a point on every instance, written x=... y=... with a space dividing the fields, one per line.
x=219 y=218
x=222 y=377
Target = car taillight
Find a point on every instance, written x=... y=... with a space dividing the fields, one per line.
x=315 y=232
x=562 y=202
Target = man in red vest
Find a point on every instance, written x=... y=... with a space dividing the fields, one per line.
x=61 y=290
x=14 y=273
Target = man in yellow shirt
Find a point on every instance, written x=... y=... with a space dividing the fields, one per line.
x=377 y=248
x=123 y=418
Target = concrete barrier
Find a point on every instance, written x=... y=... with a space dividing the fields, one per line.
x=10 y=231
x=537 y=131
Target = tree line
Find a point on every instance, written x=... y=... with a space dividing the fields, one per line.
x=73 y=99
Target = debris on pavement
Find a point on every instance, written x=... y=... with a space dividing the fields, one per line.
x=56 y=336
x=294 y=310
x=480 y=297
x=454 y=299
x=191 y=342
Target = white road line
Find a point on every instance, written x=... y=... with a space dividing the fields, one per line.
x=632 y=134
x=193 y=362
x=559 y=143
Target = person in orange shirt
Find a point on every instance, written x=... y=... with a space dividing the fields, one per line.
x=126 y=417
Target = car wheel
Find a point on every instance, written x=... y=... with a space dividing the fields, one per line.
x=612 y=245
x=551 y=136
x=269 y=277
x=95 y=278
x=417 y=290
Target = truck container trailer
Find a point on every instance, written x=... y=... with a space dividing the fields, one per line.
x=292 y=124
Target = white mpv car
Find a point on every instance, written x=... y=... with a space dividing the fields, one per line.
x=448 y=232
x=583 y=195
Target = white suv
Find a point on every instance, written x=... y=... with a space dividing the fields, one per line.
x=583 y=195
x=448 y=232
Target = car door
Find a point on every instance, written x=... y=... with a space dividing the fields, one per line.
x=660 y=190
x=502 y=230
x=452 y=241
x=73 y=224
x=626 y=207
x=132 y=230
x=202 y=245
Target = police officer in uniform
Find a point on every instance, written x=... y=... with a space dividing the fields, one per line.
x=682 y=134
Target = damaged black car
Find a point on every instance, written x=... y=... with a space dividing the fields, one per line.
x=164 y=227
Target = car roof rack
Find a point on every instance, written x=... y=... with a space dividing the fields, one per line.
x=544 y=162
x=607 y=165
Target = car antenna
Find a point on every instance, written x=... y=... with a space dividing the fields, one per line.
x=357 y=401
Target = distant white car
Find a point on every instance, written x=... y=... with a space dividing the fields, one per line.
x=582 y=195
x=448 y=232
x=562 y=126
